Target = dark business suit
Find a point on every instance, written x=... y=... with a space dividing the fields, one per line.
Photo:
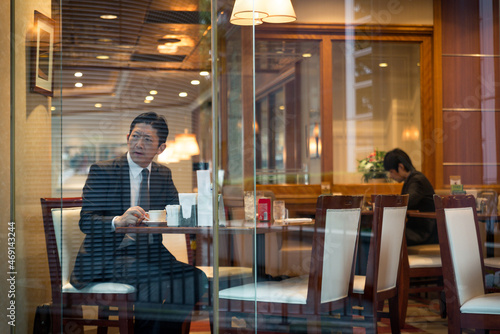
x=420 y=231
x=161 y=281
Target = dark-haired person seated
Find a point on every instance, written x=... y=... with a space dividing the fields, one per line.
x=418 y=231
x=119 y=193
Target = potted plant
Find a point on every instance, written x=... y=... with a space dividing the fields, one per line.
x=372 y=167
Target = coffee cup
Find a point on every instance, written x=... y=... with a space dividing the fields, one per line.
x=157 y=216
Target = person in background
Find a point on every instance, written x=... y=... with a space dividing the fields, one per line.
x=118 y=193
x=418 y=231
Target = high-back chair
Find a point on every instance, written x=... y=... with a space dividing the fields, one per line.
x=467 y=304
x=324 y=289
x=63 y=239
x=421 y=272
x=384 y=257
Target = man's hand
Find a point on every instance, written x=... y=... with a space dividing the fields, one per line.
x=133 y=216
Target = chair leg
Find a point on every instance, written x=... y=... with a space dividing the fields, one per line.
x=126 y=319
x=403 y=307
x=102 y=314
x=75 y=312
x=314 y=325
x=394 y=315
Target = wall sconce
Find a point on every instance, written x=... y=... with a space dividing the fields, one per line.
x=410 y=133
x=255 y=12
x=315 y=142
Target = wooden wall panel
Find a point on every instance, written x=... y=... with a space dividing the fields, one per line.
x=470 y=82
x=470 y=104
x=471 y=137
x=473 y=174
x=463 y=21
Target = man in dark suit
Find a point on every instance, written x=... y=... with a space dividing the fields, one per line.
x=119 y=193
x=418 y=231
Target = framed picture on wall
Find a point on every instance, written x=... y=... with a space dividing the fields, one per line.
x=43 y=55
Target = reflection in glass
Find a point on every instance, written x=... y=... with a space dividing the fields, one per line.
x=376 y=103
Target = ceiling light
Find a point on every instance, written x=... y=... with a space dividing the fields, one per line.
x=249 y=9
x=108 y=17
x=186 y=144
x=52 y=108
x=383 y=65
x=254 y=12
x=147 y=101
x=102 y=57
x=150 y=98
x=282 y=107
x=98 y=105
x=307 y=55
x=195 y=82
x=153 y=92
x=78 y=74
x=204 y=73
x=78 y=84
x=167 y=48
x=244 y=21
x=279 y=11
x=183 y=94
x=105 y=40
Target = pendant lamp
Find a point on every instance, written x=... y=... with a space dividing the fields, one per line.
x=250 y=9
x=255 y=12
x=279 y=11
x=186 y=144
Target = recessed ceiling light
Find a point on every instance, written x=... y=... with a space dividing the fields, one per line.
x=78 y=74
x=98 y=105
x=183 y=94
x=149 y=98
x=282 y=108
x=195 y=82
x=52 y=108
x=383 y=65
x=153 y=92
x=204 y=73
x=147 y=101
x=307 y=55
x=167 y=48
x=78 y=84
x=102 y=57
x=108 y=17
x=105 y=40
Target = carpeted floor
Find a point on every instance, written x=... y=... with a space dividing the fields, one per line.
x=423 y=317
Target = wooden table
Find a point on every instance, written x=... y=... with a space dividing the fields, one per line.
x=258 y=232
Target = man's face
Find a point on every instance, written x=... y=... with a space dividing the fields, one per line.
x=397 y=174
x=143 y=144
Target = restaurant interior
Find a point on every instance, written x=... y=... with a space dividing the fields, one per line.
x=277 y=112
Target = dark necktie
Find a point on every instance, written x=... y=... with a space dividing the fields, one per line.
x=144 y=201
x=144 y=191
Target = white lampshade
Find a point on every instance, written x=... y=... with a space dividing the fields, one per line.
x=244 y=22
x=168 y=155
x=280 y=11
x=186 y=144
x=250 y=9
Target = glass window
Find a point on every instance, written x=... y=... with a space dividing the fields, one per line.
x=376 y=103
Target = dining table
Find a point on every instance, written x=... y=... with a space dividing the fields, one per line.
x=257 y=230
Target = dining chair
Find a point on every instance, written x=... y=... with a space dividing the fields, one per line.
x=323 y=290
x=63 y=239
x=467 y=304
x=421 y=272
x=384 y=256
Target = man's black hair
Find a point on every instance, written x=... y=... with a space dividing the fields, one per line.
x=158 y=123
x=393 y=158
